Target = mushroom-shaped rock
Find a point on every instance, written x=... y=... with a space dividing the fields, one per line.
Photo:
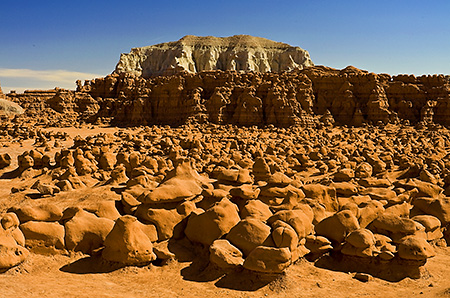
x=360 y=243
x=363 y=170
x=83 y=165
x=46 y=212
x=318 y=244
x=10 y=221
x=118 y=175
x=284 y=235
x=213 y=223
x=248 y=234
x=379 y=194
x=165 y=220
x=425 y=189
x=338 y=226
x=279 y=179
x=181 y=183
x=384 y=245
x=323 y=194
x=299 y=220
x=235 y=176
x=375 y=182
x=402 y=210
x=361 y=238
x=107 y=160
x=393 y=226
x=25 y=161
x=345 y=189
x=261 y=169
x=106 y=209
x=225 y=255
x=5 y=160
x=46 y=189
x=43 y=234
x=162 y=251
x=343 y=175
x=129 y=201
x=11 y=254
x=368 y=211
x=437 y=207
x=318 y=210
x=245 y=191
x=256 y=209
x=211 y=196
x=268 y=259
x=352 y=207
x=414 y=248
x=127 y=244
x=432 y=226
x=270 y=191
x=85 y=231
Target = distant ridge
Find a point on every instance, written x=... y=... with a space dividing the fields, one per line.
x=195 y=53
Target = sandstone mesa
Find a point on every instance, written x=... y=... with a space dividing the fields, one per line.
x=195 y=54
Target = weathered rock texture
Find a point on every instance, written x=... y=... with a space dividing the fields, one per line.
x=8 y=107
x=314 y=96
x=257 y=198
x=349 y=96
x=195 y=54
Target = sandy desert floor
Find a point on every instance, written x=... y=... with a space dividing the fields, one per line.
x=48 y=276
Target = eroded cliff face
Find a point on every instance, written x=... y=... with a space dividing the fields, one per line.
x=348 y=97
x=309 y=97
x=194 y=54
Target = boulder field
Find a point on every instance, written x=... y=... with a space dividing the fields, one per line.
x=244 y=198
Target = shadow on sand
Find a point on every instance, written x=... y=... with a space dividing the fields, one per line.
x=11 y=174
x=201 y=270
x=198 y=269
x=394 y=270
x=90 y=265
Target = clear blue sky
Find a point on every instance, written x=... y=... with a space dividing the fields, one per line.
x=51 y=43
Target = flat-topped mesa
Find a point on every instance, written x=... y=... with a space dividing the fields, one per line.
x=195 y=54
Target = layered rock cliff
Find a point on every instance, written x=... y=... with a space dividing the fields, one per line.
x=195 y=54
x=348 y=97
x=305 y=97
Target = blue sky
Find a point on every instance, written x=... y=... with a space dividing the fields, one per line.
x=45 y=44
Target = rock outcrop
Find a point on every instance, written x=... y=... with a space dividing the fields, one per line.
x=196 y=54
x=314 y=96
x=309 y=97
x=8 y=107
